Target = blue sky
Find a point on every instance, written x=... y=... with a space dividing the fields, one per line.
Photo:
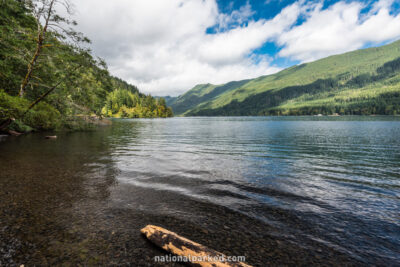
x=166 y=47
x=267 y=9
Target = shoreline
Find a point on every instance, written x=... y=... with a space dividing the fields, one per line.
x=92 y=122
x=259 y=190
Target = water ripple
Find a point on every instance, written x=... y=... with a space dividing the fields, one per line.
x=333 y=181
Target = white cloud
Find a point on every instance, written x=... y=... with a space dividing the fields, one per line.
x=162 y=45
x=236 y=18
x=232 y=46
x=340 y=28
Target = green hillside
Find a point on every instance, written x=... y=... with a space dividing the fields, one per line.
x=50 y=80
x=203 y=93
x=365 y=81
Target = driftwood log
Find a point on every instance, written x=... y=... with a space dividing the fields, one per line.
x=197 y=254
x=13 y=133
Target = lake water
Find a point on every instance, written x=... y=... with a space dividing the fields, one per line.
x=291 y=190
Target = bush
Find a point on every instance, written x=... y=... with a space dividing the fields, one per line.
x=11 y=106
x=20 y=127
x=41 y=117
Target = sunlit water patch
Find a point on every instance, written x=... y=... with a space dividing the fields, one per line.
x=279 y=190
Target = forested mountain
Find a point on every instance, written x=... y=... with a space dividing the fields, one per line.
x=169 y=99
x=48 y=76
x=365 y=81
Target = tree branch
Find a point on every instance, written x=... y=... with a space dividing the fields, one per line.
x=39 y=45
x=47 y=93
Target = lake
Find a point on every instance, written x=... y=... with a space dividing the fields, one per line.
x=278 y=190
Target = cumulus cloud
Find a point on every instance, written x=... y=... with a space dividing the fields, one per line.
x=340 y=28
x=163 y=47
x=236 y=18
x=232 y=46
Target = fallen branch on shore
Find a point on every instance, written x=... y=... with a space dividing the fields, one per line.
x=5 y=124
x=184 y=247
x=13 y=133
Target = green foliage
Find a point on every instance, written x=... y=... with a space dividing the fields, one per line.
x=76 y=124
x=20 y=127
x=203 y=93
x=11 y=107
x=16 y=30
x=359 y=66
x=124 y=103
x=85 y=86
x=41 y=117
x=358 y=95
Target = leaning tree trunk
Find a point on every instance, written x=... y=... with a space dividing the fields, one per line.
x=6 y=123
x=38 y=100
x=39 y=46
x=31 y=66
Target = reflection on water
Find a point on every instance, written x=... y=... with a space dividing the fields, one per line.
x=277 y=190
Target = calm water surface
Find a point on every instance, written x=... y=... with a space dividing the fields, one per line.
x=291 y=191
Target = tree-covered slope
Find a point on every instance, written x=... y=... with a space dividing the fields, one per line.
x=48 y=79
x=304 y=86
x=203 y=93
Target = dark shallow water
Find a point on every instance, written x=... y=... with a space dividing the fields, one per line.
x=297 y=191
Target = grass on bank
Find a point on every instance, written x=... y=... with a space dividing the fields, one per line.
x=42 y=117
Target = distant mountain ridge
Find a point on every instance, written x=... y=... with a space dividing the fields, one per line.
x=365 y=81
x=168 y=99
